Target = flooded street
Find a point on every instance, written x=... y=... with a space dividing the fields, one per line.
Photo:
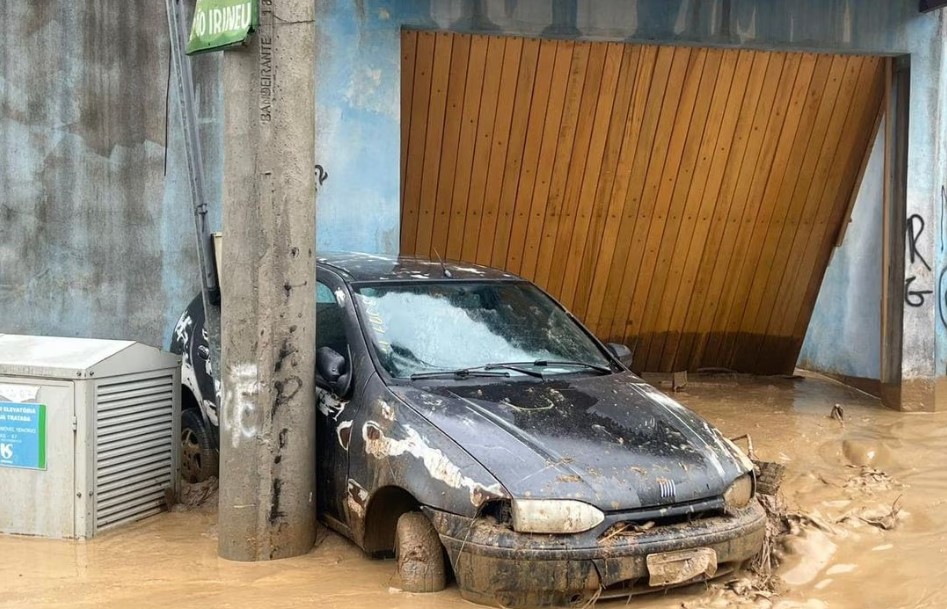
x=842 y=474
x=843 y=477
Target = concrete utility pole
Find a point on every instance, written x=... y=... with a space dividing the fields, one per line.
x=267 y=443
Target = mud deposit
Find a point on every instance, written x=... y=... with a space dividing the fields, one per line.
x=860 y=523
x=200 y=496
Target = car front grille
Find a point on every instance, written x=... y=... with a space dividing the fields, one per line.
x=630 y=527
x=640 y=520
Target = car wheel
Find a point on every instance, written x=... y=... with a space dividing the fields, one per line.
x=198 y=455
x=420 y=555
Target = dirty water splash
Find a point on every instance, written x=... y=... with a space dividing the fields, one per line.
x=859 y=520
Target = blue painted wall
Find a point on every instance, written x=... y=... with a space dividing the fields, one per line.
x=358 y=133
x=844 y=334
x=94 y=208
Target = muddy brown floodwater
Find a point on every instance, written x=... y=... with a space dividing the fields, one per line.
x=847 y=547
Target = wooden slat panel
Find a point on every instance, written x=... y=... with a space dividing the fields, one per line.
x=703 y=299
x=567 y=265
x=665 y=154
x=603 y=309
x=791 y=194
x=547 y=156
x=539 y=105
x=433 y=140
x=572 y=131
x=682 y=199
x=495 y=169
x=616 y=145
x=483 y=147
x=680 y=223
x=516 y=150
x=685 y=141
x=701 y=197
x=777 y=143
x=453 y=119
x=414 y=164
x=780 y=76
x=465 y=149
x=598 y=98
x=639 y=129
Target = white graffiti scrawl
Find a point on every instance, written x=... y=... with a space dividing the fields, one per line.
x=241 y=387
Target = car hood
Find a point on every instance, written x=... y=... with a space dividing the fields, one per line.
x=612 y=441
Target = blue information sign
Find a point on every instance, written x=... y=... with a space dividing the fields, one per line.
x=22 y=435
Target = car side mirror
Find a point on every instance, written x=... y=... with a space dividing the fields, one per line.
x=622 y=353
x=333 y=371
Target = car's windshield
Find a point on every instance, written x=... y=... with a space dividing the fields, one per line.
x=431 y=327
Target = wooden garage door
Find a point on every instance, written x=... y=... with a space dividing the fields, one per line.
x=682 y=200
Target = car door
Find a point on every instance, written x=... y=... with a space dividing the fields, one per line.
x=332 y=458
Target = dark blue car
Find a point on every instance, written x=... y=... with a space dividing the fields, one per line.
x=463 y=413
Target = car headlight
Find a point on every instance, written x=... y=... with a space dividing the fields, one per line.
x=554 y=516
x=740 y=492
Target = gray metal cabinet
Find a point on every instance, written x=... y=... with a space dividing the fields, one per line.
x=88 y=434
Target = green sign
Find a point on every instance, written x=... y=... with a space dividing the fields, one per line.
x=219 y=24
x=23 y=435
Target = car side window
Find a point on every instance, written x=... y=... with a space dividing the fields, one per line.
x=330 y=321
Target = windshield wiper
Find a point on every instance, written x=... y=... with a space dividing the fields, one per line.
x=515 y=366
x=553 y=364
x=459 y=373
x=542 y=363
x=483 y=370
x=494 y=369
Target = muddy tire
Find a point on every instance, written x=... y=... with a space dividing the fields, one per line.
x=420 y=554
x=769 y=476
x=199 y=458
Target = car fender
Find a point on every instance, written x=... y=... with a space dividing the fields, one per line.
x=391 y=445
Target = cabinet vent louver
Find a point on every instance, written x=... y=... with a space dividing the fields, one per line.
x=134 y=447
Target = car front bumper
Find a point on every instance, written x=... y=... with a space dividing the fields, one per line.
x=497 y=566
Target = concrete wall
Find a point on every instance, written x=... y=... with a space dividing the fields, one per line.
x=95 y=218
x=96 y=237
x=844 y=336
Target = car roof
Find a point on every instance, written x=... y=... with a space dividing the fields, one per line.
x=358 y=267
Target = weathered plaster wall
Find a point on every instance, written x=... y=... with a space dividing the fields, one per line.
x=844 y=336
x=82 y=105
x=358 y=133
x=95 y=238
